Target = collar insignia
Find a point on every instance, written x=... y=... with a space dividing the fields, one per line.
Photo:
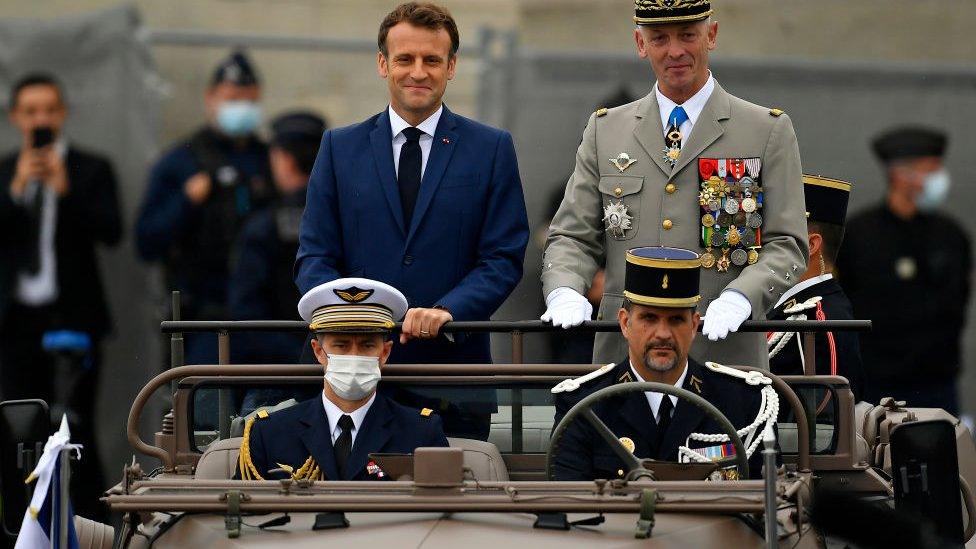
x=695 y=383
x=353 y=295
x=625 y=377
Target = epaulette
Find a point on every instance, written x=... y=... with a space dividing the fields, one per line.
x=602 y=111
x=776 y=112
x=244 y=463
x=570 y=385
x=426 y=412
x=751 y=377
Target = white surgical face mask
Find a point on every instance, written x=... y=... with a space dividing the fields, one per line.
x=238 y=118
x=353 y=377
x=935 y=188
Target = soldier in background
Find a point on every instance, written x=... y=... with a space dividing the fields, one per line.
x=818 y=296
x=907 y=268
x=199 y=194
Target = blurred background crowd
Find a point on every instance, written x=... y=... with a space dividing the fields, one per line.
x=166 y=106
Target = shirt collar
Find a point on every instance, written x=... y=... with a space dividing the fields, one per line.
x=428 y=126
x=333 y=413
x=803 y=285
x=693 y=106
x=654 y=399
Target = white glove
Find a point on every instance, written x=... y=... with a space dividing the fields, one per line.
x=566 y=308
x=726 y=314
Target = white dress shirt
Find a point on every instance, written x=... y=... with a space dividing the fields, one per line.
x=333 y=413
x=428 y=126
x=654 y=399
x=693 y=107
x=41 y=288
x=802 y=285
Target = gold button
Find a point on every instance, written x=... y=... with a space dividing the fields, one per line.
x=667 y=224
x=618 y=191
x=670 y=188
x=620 y=472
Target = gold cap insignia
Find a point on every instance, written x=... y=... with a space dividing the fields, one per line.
x=426 y=412
x=353 y=295
x=628 y=444
x=664 y=282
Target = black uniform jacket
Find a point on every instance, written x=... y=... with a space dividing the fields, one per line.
x=835 y=306
x=291 y=436
x=583 y=455
x=86 y=216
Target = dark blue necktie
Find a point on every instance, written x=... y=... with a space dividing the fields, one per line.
x=409 y=172
x=343 y=445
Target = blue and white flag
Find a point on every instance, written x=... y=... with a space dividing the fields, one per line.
x=40 y=525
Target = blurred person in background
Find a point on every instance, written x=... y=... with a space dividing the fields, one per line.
x=907 y=267
x=57 y=204
x=199 y=194
x=262 y=286
x=818 y=296
x=438 y=193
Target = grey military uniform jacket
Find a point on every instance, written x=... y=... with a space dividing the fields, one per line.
x=663 y=203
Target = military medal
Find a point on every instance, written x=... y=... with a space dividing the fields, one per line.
x=708 y=259
x=753 y=256
x=722 y=265
x=724 y=219
x=753 y=165
x=739 y=219
x=739 y=257
x=731 y=206
x=617 y=219
x=749 y=238
x=671 y=154
x=717 y=238
x=737 y=168
x=755 y=220
x=748 y=205
x=714 y=204
x=708 y=220
x=721 y=168
x=707 y=167
x=623 y=161
x=732 y=237
x=747 y=182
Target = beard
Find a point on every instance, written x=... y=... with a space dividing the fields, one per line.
x=661 y=364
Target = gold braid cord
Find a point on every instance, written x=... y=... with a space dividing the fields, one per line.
x=308 y=471
x=244 y=463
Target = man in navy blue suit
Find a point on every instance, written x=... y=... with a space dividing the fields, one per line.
x=423 y=199
x=330 y=436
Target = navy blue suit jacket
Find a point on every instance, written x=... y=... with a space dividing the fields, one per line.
x=583 y=455
x=464 y=247
x=290 y=436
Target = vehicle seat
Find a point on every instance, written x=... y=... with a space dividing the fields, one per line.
x=862 y=451
x=483 y=458
x=219 y=461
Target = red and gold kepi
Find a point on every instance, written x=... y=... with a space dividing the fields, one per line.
x=662 y=277
x=659 y=12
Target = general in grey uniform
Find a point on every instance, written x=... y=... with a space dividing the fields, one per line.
x=688 y=166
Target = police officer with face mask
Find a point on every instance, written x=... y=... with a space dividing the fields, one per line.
x=199 y=194
x=330 y=436
x=906 y=267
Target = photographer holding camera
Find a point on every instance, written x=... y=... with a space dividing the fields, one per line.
x=56 y=204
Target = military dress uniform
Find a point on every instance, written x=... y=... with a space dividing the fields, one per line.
x=583 y=455
x=733 y=193
x=914 y=349
x=315 y=439
x=819 y=298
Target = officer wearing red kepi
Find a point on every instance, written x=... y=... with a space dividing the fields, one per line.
x=904 y=249
x=818 y=296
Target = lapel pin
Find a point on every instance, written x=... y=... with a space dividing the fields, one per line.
x=446 y=141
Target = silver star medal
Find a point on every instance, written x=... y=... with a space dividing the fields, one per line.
x=623 y=161
x=616 y=219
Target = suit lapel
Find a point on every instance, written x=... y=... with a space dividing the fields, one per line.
x=372 y=436
x=649 y=132
x=318 y=439
x=441 y=150
x=381 y=140
x=706 y=130
x=687 y=417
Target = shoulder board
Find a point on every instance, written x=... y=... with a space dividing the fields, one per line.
x=776 y=112
x=602 y=111
x=570 y=385
x=426 y=412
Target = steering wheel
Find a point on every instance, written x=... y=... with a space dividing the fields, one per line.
x=639 y=468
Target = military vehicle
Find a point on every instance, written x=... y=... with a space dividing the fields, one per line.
x=906 y=470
